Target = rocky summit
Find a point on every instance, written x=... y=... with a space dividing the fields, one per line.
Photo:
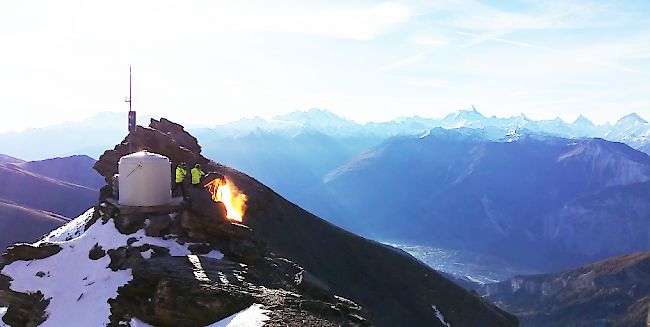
x=185 y=264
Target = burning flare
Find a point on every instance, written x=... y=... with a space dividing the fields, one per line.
x=221 y=192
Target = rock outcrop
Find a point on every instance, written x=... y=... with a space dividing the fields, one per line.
x=614 y=292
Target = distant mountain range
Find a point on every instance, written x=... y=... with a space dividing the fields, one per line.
x=38 y=196
x=91 y=136
x=631 y=129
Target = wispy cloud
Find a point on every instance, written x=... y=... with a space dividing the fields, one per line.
x=405 y=62
x=359 y=23
x=549 y=14
x=574 y=55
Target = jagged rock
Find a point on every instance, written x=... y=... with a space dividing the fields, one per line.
x=177 y=133
x=125 y=257
x=235 y=230
x=320 y=307
x=130 y=256
x=26 y=310
x=157 y=225
x=96 y=252
x=209 y=209
x=200 y=248
x=205 y=228
x=313 y=286
x=129 y=224
x=244 y=251
x=24 y=251
x=152 y=140
x=166 y=292
x=158 y=251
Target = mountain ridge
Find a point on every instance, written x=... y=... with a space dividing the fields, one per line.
x=457 y=191
x=631 y=129
x=613 y=292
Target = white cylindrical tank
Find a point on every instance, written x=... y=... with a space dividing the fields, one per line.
x=144 y=179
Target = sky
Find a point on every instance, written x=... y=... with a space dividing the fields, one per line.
x=211 y=62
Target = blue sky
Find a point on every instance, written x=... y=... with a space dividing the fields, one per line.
x=211 y=62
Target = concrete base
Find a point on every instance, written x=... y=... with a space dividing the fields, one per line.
x=173 y=206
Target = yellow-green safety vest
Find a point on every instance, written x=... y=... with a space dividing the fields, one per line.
x=180 y=174
x=196 y=175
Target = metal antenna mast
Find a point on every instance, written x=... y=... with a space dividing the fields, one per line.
x=129 y=99
x=131 y=116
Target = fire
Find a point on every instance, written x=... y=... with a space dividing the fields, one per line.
x=221 y=192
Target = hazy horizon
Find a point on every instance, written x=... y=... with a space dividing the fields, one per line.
x=208 y=125
x=363 y=60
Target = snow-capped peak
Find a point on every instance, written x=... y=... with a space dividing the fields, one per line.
x=315 y=117
x=631 y=119
x=583 y=121
x=463 y=118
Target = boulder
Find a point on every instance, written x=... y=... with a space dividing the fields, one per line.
x=158 y=225
x=26 y=310
x=165 y=292
x=130 y=223
x=25 y=251
x=96 y=252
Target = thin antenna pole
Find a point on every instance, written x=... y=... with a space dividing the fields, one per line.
x=131 y=116
x=129 y=88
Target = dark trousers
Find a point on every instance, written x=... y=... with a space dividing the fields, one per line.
x=183 y=189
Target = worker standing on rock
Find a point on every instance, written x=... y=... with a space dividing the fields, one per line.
x=181 y=172
x=197 y=173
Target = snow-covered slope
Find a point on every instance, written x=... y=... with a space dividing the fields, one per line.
x=75 y=284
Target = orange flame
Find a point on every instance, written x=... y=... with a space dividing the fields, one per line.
x=221 y=192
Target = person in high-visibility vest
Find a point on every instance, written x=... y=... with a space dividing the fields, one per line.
x=197 y=173
x=181 y=172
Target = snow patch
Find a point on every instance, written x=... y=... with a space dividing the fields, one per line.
x=71 y=230
x=253 y=316
x=3 y=310
x=146 y=254
x=440 y=317
x=214 y=254
x=77 y=286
